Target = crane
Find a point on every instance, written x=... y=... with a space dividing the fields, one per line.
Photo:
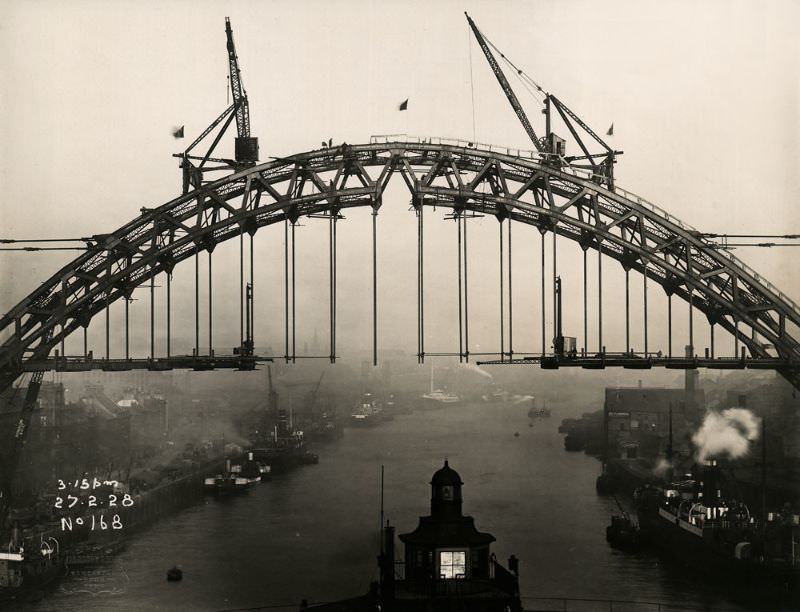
x=313 y=398
x=552 y=146
x=504 y=84
x=246 y=145
x=20 y=433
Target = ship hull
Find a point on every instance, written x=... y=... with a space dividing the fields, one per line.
x=711 y=556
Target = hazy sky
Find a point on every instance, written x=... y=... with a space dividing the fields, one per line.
x=705 y=99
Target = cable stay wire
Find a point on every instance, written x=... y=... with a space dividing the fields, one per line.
x=20 y=240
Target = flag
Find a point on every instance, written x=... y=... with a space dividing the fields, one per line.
x=404 y=105
x=178 y=132
x=610 y=131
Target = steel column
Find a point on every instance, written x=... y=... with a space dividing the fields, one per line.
x=420 y=287
x=585 y=308
x=252 y=297
x=210 y=311
x=374 y=287
x=108 y=327
x=294 y=300
x=691 y=320
x=169 y=314
x=127 y=328
x=152 y=317
x=460 y=306
x=644 y=292
x=286 y=287
x=330 y=281
x=544 y=294
x=197 y=304
x=712 y=341
x=600 y=298
x=466 y=295
x=669 y=325
x=510 y=299
x=502 y=304
x=627 y=311
x=241 y=288
x=555 y=297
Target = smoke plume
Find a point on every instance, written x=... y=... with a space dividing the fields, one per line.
x=662 y=467
x=726 y=433
x=473 y=368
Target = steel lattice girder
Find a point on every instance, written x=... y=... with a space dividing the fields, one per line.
x=522 y=188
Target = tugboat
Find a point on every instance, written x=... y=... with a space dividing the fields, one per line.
x=251 y=470
x=174 y=574
x=622 y=532
x=229 y=483
x=448 y=563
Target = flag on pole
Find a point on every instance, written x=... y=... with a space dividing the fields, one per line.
x=178 y=132
x=403 y=105
x=610 y=131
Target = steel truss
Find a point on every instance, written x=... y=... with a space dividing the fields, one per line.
x=521 y=186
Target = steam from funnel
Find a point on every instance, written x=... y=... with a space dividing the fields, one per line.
x=524 y=398
x=662 y=467
x=726 y=433
x=473 y=368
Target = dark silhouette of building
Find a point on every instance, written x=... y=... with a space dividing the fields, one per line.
x=448 y=563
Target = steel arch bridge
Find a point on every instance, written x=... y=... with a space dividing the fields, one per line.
x=469 y=178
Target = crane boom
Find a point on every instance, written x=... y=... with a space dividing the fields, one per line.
x=501 y=78
x=237 y=87
x=246 y=145
x=20 y=433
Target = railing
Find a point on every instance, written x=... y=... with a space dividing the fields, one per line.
x=580 y=172
x=576 y=604
x=454 y=142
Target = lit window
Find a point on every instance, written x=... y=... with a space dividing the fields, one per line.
x=452 y=564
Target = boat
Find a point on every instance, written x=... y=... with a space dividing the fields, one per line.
x=496 y=395
x=24 y=572
x=368 y=412
x=691 y=521
x=437 y=397
x=623 y=533
x=284 y=448
x=174 y=574
x=228 y=483
x=542 y=413
x=251 y=470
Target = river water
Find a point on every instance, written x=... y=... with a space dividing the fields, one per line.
x=312 y=534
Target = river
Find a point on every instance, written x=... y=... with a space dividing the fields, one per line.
x=312 y=534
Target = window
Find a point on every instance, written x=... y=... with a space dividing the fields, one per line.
x=452 y=564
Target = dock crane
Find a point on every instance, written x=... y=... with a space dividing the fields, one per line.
x=246 y=146
x=552 y=147
x=20 y=433
x=313 y=397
